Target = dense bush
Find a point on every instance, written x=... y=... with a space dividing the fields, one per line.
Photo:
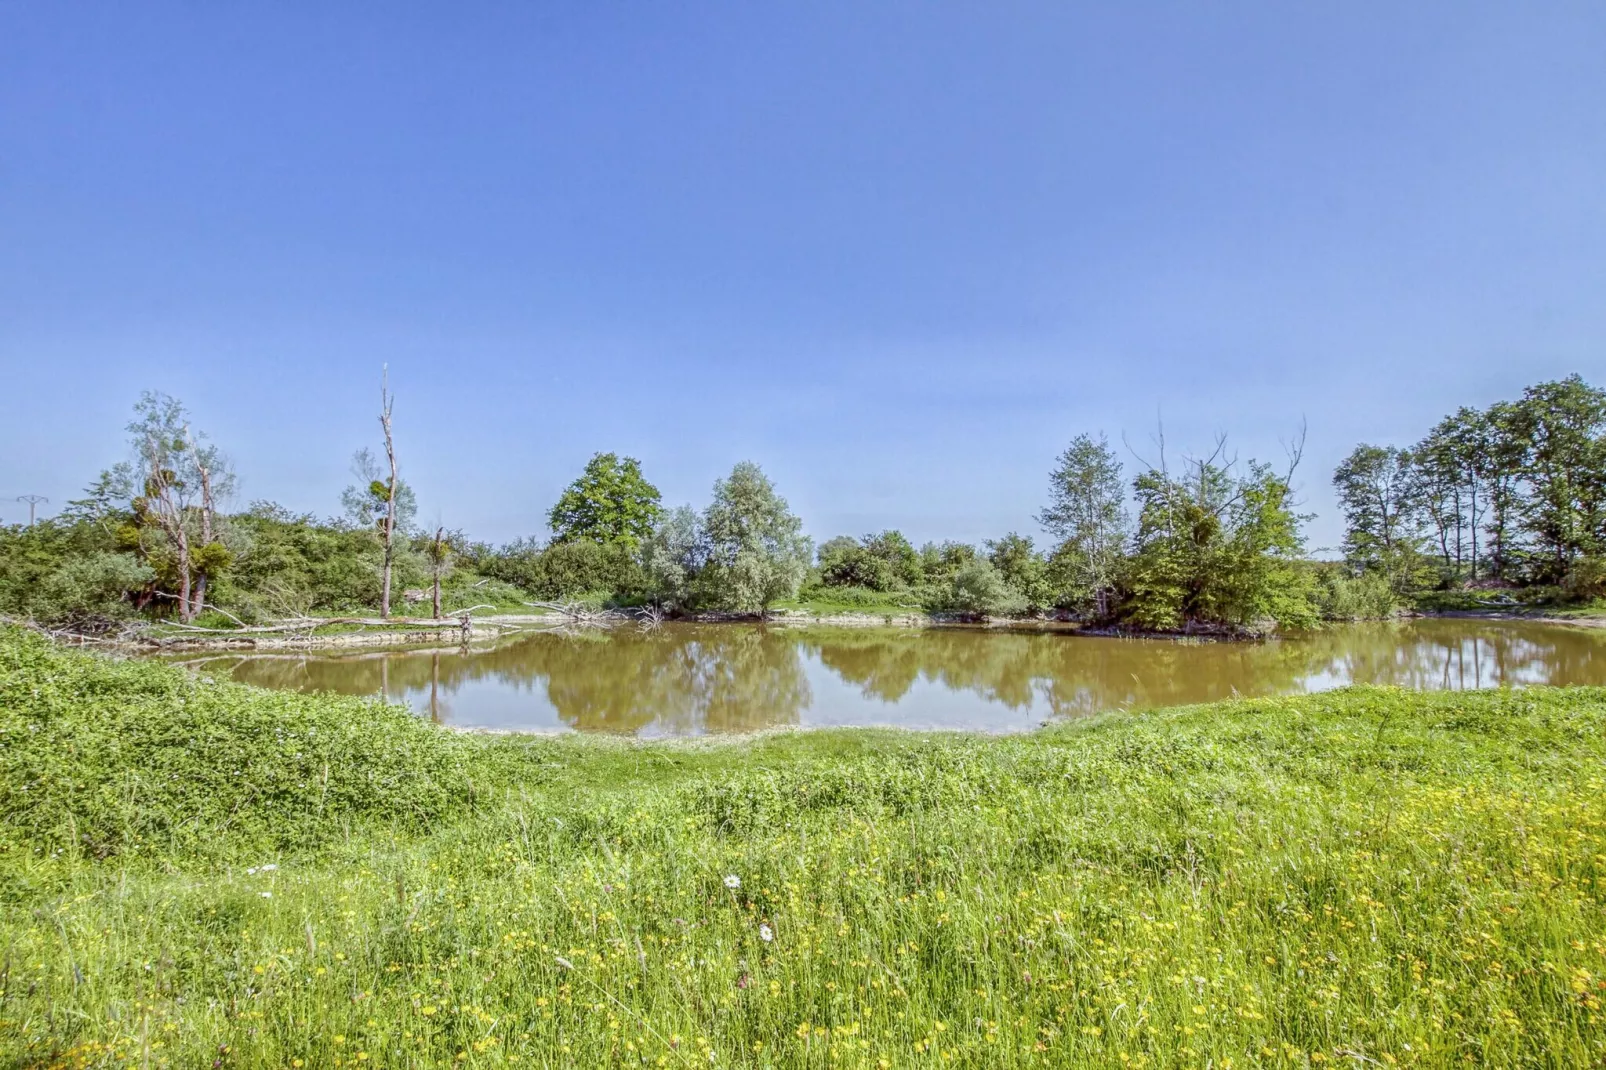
x=843 y=562
x=98 y=584
x=61 y=569
x=976 y=590
x=1586 y=579
x=860 y=597
x=109 y=757
x=1342 y=595
x=567 y=570
x=290 y=563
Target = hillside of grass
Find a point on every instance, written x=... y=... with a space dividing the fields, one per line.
x=204 y=874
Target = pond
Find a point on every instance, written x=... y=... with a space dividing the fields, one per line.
x=690 y=679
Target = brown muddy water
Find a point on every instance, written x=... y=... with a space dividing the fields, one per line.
x=688 y=679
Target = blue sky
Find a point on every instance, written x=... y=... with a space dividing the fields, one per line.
x=898 y=254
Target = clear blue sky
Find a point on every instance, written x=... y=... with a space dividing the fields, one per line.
x=899 y=254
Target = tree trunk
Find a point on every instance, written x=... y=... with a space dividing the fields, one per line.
x=198 y=603
x=437 y=570
x=185 y=612
x=386 y=401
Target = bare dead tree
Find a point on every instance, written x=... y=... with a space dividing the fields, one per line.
x=386 y=401
x=579 y=613
x=437 y=564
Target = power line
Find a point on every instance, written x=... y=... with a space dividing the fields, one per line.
x=33 y=501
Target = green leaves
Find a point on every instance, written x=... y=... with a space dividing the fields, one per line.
x=610 y=503
x=757 y=553
x=106 y=758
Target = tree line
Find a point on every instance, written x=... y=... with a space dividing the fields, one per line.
x=1511 y=496
x=1515 y=494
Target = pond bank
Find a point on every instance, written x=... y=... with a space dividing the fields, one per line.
x=491 y=628
x=1579 y=621
x=691 y=679
x=1268 y=852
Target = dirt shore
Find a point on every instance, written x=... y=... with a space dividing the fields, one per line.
x=490 y=629
x=1482 y=614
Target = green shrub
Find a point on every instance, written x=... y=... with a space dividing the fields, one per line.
x=858 y=597
x=567 y=570
x=112 y=757
x=1341 y=595
x=290 y=564
x=1586 y=579
x=96 y=585
x=977 y=590
x=845 y=563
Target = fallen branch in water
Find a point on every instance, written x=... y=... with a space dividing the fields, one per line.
x=581 y=613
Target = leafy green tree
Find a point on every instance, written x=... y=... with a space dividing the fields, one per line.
x=976 y=589
x=756 y=551
x=611 y=502
x=837 y=560
x=901 y=558
x=1087 y=514
x=940 y=562
x=845 y=562
x=1439 y=503
x=1562 y=424
x=1506 y=458
x=884 y=562
x=673 y=556
x=173 y=487
x=1455 y=466
x=1377 y=490
x=1263 y=577
x=1021 y=567
x=1217 y=550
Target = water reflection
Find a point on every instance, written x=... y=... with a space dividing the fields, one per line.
x=690 y=679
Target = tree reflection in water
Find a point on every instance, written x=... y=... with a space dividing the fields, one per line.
x=691 y=679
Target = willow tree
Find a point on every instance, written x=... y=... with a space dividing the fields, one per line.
x=756 y=551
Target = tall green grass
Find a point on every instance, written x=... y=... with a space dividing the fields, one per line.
x=199 y=874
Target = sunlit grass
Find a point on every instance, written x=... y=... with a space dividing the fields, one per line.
x=1369 y=877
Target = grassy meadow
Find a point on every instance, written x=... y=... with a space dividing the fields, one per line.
x=199 y=874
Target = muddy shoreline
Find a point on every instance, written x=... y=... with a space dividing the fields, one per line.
x=491 y=629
